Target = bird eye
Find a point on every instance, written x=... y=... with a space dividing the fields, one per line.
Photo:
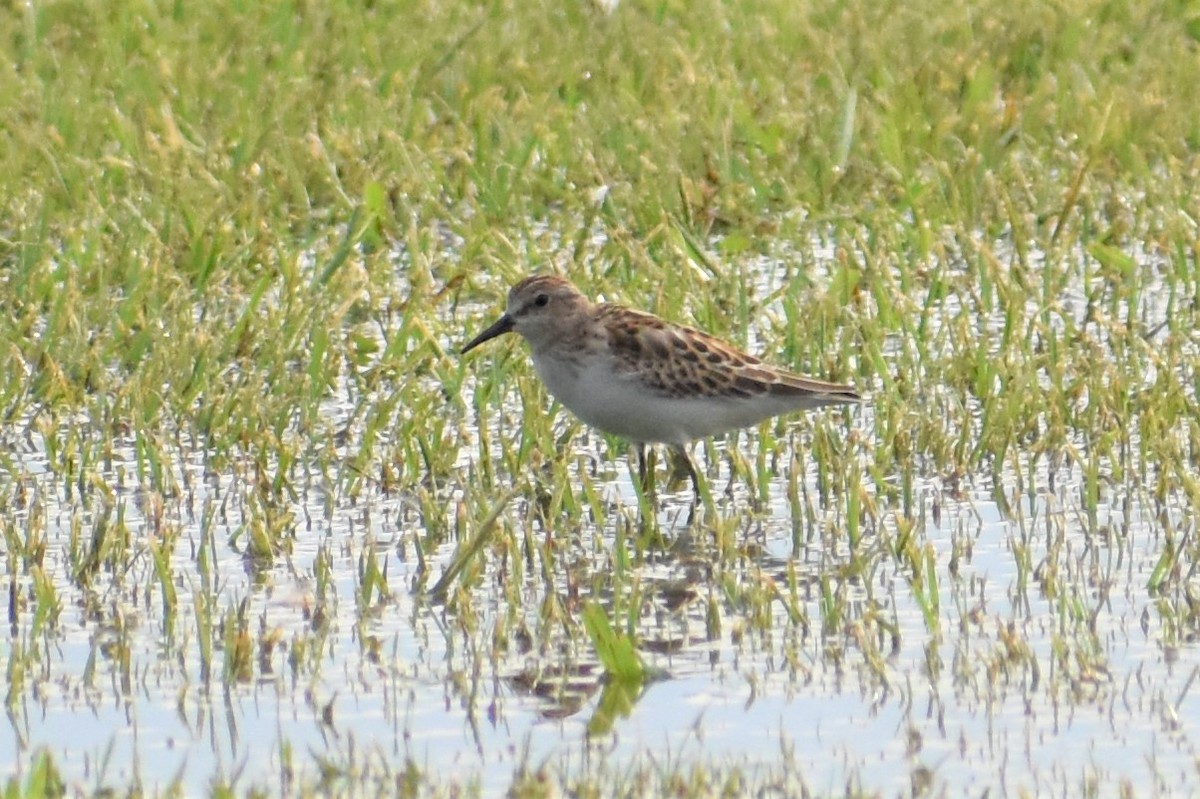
x=542 y=300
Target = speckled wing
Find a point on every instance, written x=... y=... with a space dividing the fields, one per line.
x=677 y=362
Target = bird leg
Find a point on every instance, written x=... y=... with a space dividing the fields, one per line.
x=682 y=452
x=642 y=470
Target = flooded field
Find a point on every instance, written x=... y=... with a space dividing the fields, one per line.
x=833 y=620
x=265 y=532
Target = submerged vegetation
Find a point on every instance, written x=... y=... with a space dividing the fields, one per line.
x=263 y=530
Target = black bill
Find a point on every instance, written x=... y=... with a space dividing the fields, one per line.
x=503 y=325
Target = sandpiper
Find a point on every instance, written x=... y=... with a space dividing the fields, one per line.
x=645 y=379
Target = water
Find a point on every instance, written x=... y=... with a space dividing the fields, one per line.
x=1054 y=677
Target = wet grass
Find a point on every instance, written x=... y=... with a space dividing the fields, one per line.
x=243 y=463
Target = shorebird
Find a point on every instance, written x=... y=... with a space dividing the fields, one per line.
x=640 y=377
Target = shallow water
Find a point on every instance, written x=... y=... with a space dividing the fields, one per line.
x=433 y=697
x=1021 y=684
